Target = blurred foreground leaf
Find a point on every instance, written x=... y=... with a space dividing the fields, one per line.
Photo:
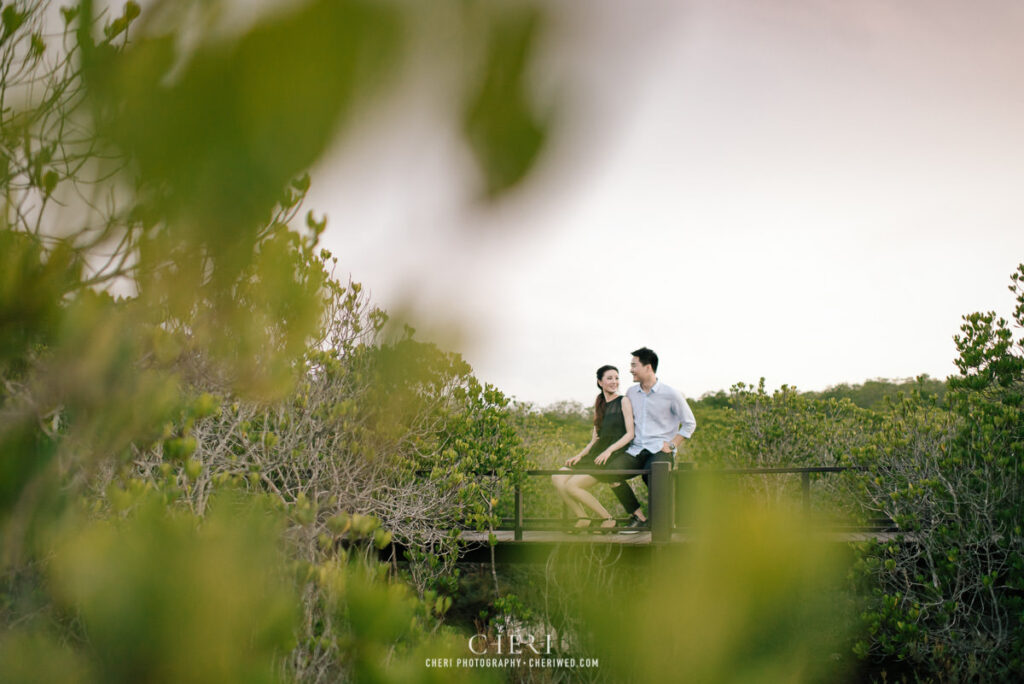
x=218 y=141
x=164 y=597
x=160 y=160
x=501 y=124
x=751 y=599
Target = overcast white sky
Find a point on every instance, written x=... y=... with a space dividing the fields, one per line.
x=813 y=192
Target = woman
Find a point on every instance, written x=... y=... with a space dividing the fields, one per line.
x=613 y=431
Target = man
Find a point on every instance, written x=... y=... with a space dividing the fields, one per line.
x=661 y=421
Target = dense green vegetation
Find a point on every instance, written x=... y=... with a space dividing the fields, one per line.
x=945 y=461
x=871 y=394
x=207 y=440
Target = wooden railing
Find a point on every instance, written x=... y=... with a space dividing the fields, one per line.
x=665 y=487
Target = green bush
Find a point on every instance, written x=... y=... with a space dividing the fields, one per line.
x=949 y=597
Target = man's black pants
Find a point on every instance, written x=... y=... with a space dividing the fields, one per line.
x=620 y=485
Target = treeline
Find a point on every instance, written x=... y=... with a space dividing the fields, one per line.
x=875 y=395
x=871 y=394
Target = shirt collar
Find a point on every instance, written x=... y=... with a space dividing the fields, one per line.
x=654 y=387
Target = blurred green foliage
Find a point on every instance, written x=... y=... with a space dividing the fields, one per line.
x=175 y=352
x=206 y=440
x=501 y=123
x=751 y=598
x=217 y=142
x=163 y=596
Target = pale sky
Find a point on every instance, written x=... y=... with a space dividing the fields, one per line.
x=813 y=192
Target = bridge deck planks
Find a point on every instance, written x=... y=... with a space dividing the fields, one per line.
x=644 y=538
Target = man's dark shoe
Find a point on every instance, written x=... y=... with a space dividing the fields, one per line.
x=635 y=525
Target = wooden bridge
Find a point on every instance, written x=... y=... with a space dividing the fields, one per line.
x=523 y=538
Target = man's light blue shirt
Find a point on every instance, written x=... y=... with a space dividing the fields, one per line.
x=658 y=416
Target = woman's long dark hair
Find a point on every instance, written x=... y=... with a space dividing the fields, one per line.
x=600 y=404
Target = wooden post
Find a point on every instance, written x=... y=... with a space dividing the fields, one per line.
x=519 y=514
x=661 y=501
x=805 y=486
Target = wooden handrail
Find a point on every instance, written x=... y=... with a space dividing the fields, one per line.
x=661 y=489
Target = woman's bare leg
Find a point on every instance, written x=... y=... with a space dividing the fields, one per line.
x=560 y=482
x=577 y=487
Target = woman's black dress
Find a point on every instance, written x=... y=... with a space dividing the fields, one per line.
x=613 y=426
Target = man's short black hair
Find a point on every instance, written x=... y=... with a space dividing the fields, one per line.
x=647 y=357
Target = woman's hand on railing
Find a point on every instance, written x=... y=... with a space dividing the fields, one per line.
x=574 y=460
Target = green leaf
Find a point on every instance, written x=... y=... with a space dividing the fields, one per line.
x=50 y=182
x=243 y=119
x=500 y=123
x=12 y=19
